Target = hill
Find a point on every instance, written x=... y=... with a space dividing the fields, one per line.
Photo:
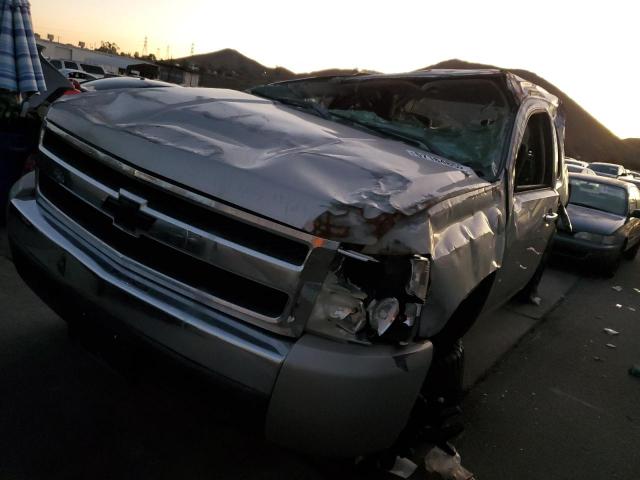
x=229 y=68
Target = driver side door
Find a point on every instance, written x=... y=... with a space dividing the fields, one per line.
x=533 y=206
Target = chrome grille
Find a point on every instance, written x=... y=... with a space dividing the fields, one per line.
x=232 y=260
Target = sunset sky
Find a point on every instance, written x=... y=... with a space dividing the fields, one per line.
x=588 y=49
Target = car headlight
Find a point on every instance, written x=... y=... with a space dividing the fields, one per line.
x=366 y=299
x=597 y=238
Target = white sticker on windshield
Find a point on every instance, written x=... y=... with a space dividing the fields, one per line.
x=440 y=160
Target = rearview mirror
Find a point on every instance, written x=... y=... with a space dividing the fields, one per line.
x=635 y=213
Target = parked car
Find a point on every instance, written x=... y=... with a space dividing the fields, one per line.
x=95 y=70
x=320 y=243
x=611 y=170
x=62 y=64
x=77 y=75
x=633 y=180
x=114 y=83
x=604 y=214
x=579 y=169
x=573 y=161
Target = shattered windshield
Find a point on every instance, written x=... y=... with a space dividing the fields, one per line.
x=463 y=119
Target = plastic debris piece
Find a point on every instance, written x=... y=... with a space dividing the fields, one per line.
x=618 y=305
x=411 y=311
x=382 y=313
x=637 y=290
x=535 y=300
x=442 y=465
x=611 y=345
x=631 y=309
x=403 y=467
x=597 y=359
x=635 y=370
x=611 y=331
x=617 y=288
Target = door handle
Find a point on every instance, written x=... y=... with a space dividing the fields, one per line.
x=550 y=217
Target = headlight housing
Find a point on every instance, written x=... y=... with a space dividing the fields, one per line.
x=597 y=238
x=366 y=299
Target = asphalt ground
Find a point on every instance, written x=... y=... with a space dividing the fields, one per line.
x=544 y=409
x=561 y=404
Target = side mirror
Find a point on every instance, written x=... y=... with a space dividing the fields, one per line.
x=565 y=221
x=635 y=213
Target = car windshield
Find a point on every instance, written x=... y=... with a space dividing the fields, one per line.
x=462 y=119
x=92 y=69
x=599 y=196
x=574 y=168
x=601 y=168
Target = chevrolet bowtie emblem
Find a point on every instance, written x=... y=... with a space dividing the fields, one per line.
x=126 y=211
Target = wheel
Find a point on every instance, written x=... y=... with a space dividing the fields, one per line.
x=632 y=252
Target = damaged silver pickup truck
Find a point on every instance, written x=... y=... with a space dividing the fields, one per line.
x=319 y=242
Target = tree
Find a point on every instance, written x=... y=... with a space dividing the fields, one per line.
x=108 y=47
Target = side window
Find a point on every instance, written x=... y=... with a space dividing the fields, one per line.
x=536 y=155
x=56 y=63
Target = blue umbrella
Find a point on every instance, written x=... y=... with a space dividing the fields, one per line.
x=20 y=69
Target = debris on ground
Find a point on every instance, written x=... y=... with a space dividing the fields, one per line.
x=637 y=290
x=535 y=300
x=444 y=464
x=611 y=331
x=403 y=467
x=635 y=370
x=597 y=359
x=617 y=288
x=611 y=345
x=631 y=309
x=618 y=305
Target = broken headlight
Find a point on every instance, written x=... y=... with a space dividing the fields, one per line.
x=418 y=283
x=366 y=299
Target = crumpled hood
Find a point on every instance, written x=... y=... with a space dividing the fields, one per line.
x=589 y=220
x=321 y=176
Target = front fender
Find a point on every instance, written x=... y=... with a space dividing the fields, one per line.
x=468 y=245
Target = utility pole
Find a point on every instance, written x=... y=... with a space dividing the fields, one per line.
x=144 y=48
x=193 y=48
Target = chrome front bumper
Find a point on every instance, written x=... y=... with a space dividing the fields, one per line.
x=325 y=397
x=236 y=351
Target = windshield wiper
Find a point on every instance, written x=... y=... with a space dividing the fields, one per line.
x=305 y=104
x=295 y=102
x=386 y=131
